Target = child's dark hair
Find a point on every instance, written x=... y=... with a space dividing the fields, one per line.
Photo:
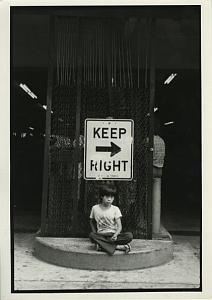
x=107 y=190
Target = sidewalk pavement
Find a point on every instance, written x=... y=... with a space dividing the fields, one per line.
x=30 y=273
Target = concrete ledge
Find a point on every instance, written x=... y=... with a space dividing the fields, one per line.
x=80 y=253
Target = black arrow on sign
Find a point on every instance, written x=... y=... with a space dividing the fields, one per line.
x=114 y=149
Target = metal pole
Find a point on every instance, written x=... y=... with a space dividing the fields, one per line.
x=115 y=70
x=96 y=57
x=71 y=54
x=128 y=64
x=131 y=72
x=108 y=51
x=58 y=57
x=103 y=55
x=147 y=32
x=46 y=169
x=62 y=55
x=120 y=82
x=78 y=108
x=122 y=50
x=66 y=55
x=151 y=124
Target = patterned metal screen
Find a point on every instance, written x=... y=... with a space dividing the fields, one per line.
x=109 y=59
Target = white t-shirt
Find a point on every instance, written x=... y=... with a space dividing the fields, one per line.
x=105 y=218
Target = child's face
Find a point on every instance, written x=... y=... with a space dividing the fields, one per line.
x=107 y=200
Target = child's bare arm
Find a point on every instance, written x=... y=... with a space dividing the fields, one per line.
x=119 y=229
x=93 y=225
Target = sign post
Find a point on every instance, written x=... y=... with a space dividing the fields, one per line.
x=108 y=151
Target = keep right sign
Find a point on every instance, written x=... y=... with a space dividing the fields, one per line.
x=108 y=152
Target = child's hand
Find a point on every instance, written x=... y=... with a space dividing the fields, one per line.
x=114 y=237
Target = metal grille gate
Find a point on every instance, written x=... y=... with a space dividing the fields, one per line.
x=99 y=68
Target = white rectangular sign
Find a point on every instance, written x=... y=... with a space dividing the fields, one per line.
x=108 y=152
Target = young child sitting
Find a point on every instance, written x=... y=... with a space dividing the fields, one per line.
x=106 y=218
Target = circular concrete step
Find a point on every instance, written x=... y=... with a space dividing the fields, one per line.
x=80 y=253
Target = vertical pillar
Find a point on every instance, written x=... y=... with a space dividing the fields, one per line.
x=156 y=205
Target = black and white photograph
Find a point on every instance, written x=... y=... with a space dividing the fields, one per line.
x=105 y=148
